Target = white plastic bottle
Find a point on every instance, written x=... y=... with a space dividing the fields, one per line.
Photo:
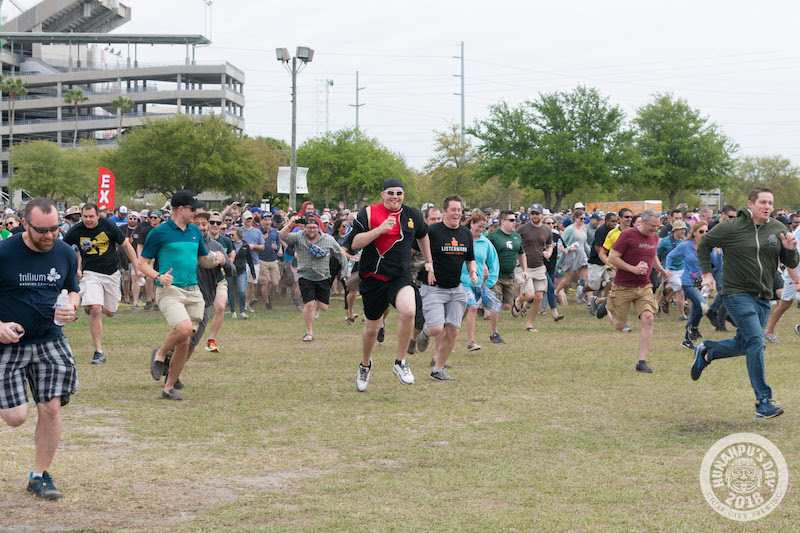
x=61 y=301
x=704 y=292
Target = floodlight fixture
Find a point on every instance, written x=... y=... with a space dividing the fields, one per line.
x=282 y=54
x=304 y=54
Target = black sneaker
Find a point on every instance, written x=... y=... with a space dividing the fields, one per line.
x=699 y=364
x=601 y=310
x=99 y=357
x=381 y=334
x=148 y=306
x=412 y=347
x=268 y=306
x=765 y=409
x=712 y=317
x=641 y=366
x=441 y=375
x=696 y=334
x=43 y=487
x=687 y=343
x=423 y=339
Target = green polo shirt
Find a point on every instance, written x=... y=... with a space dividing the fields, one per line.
x=177 y=249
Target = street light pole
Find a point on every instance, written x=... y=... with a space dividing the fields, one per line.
x=293 y=172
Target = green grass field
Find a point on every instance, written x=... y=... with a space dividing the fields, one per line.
x=552 y=431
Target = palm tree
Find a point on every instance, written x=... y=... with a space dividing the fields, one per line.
x=75 y=97
x=13 y=87
x=122 y=105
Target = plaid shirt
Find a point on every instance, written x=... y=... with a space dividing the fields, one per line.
x=316 y=268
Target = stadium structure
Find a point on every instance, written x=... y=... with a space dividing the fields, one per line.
x=58 y=45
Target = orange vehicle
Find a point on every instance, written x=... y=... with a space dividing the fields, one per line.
x=636 y=207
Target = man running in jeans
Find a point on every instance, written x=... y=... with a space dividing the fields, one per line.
x=753 y=244
x=386 y=232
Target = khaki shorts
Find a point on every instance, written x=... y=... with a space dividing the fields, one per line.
x=101 y=289
x=178 y=304
x=506 y=290
x=222 y=289
x=537 y=279
x=352 y=282
x=620 y=299
x=268 y=272
x=598 y=274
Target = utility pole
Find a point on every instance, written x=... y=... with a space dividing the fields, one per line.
x=461 y=57
x=357 y=105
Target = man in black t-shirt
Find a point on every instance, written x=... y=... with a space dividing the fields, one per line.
x=443 y=298
x=599 y=275
x=97 y=239
x=145 y=227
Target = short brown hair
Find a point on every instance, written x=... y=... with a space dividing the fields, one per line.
x=452 y=198
x=753 y=196
x=45 y=205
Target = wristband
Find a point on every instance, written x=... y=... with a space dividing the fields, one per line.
x=429 y=262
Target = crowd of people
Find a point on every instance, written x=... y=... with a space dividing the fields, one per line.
x=440 y=267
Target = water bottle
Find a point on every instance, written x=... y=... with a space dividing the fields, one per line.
x=61 y=301
x=704 y=292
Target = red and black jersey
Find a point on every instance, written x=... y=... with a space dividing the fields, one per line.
x=388 y=256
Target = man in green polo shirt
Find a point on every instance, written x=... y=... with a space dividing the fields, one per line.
x=177 y=247
x=511 y=254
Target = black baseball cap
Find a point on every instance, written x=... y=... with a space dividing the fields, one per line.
x=184 y=197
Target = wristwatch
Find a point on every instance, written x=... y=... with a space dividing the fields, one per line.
x=156 y=278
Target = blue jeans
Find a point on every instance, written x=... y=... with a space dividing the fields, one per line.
x=717 y=272
x=237 y=287
x=697 y=301
x=550 y=294
x=750 y=314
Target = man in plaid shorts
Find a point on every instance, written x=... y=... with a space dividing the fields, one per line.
x=35 y=266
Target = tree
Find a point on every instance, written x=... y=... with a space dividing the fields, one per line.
x=44 y=169
x=73 y=98
x=180 y=152
x=452 y=168
x=14 y=88
x=270 y=154
x=681 y=149
x=558 y=143
x=775 y=172
x=122 y=105
x=349 y=166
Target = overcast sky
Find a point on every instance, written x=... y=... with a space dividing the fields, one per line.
x=737 y=62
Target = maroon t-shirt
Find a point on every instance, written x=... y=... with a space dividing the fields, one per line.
x=634 y=247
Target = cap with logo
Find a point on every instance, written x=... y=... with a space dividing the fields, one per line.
x=247 y=215
x=123 y=210
x=536 y=208
x=184 y=197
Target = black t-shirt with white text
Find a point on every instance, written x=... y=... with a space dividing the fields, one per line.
x=449 y=249
x=97 y=245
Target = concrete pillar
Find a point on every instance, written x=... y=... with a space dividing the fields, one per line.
x=60 y=97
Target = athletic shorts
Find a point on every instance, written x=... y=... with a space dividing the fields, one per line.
x=377 y=295
x=598 y=274
x=485 y=295
x=506 y=290
x=253 y=280
x=178 y=304
x=49 y=369
x=269 y=272
x=201 y=327
x=315 y=290
x=675 y=280
x=443 y=306
x=101 y=289
x=620 y=299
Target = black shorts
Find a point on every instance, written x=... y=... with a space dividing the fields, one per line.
x=377 y=295
x=315 y=290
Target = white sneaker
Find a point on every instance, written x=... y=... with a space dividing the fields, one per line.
x=233 y=315
x=579 y=294
x=243 y=316
x=362 y=379
x=403 y=372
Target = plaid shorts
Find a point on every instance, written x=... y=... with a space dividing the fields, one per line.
x=49 y=368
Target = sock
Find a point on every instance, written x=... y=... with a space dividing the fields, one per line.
x=36 y=474
x=397 y=362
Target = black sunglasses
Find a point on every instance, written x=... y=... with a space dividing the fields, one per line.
x=511 y=219
x=44 y=230
x=154 y=216
x=394 y=193
x=215 y=222
x=627 y=216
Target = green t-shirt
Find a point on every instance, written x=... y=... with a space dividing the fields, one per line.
x=508 y=247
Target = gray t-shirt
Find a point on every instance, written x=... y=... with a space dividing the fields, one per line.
x=253 y=236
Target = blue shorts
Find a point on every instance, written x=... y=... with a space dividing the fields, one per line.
x=485 y=295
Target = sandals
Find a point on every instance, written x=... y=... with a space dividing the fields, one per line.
x=531 y=329
x=351 y=321
x=308 y=337
x=557 y=318
x=514 y=309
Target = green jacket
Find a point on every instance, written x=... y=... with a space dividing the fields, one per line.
x=751 y=254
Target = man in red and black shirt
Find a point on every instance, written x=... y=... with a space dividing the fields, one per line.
x=386 y=232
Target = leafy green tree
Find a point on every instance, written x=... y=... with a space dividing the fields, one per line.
x=73 y=98
x=270 y=154
x=14 y=88
x=180 y=152
x=122 y=105
x=681 y=149
x=349 y=166
x=44 y=169
x=452 y=168
x=558 y=143
x=775 y=172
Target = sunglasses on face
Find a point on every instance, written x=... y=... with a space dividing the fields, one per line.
x=394 y=193
x=228 y=220
x=154 y=216
x=701 y=231
x=511 y=220
x=215 y=222
x=37 y=229
x=627 y=216
x=549 y=223
x=581 y=218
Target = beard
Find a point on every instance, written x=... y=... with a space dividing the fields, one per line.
x=41 y=244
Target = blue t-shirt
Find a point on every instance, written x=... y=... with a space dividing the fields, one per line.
x=253 y=236
x=177 y=249
x=270 y=238
x=30 y=282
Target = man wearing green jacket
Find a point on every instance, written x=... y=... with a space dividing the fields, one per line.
x=753 y=244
